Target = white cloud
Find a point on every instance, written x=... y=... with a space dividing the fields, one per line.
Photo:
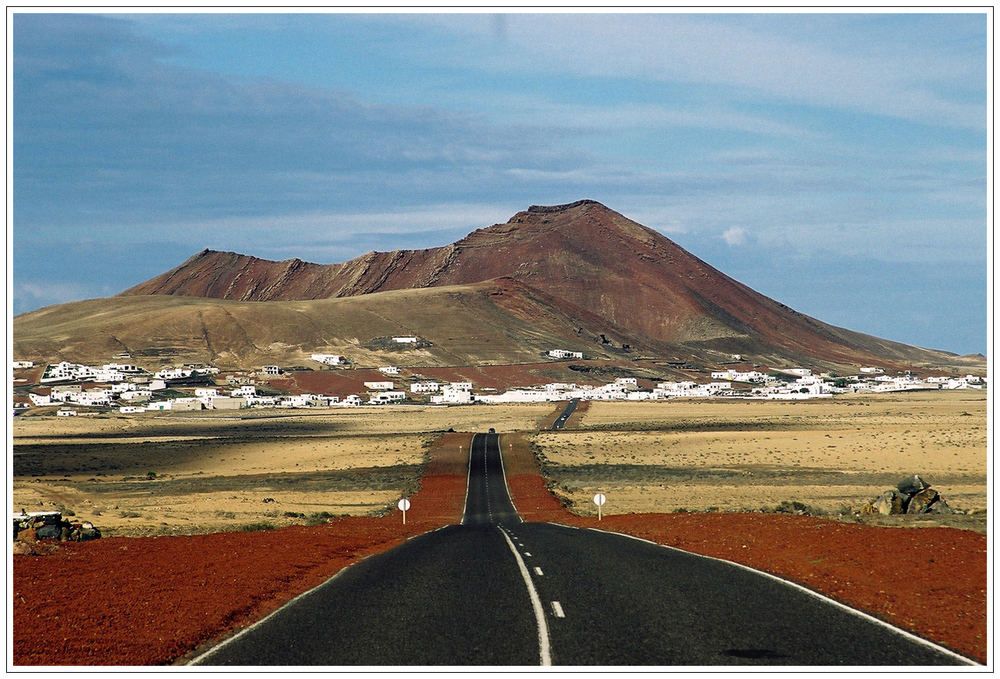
x=894 y=74
x=735 y=235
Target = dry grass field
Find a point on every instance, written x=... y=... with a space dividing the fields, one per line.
x=829 y=454
x=170 y=473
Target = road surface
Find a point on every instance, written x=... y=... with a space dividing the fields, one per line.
x=561 y=420
x=498 y=592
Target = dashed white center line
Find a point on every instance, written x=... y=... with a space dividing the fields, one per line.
x=527 y=553
x=538 y=571
x=557 y=609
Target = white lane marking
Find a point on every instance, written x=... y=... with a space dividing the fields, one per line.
x=468 y=476
x=811 y=592
x=538 y=571
x=545 y=658
x=527 y=553
x=557 y=609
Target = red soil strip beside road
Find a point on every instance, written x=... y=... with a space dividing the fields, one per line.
x=929 y=581
x=148 y=601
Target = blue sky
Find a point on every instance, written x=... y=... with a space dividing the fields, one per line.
x=834 y=162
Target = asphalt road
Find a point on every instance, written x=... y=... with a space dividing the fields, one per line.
x=495 y=591
x=561 y=420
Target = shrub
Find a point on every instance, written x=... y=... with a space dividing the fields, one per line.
x=260 y=525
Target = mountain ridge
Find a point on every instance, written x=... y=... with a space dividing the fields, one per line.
x=602 y=274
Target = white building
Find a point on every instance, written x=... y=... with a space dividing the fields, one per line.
x=562 y=353
x=801 y=372
x=131 y=410
x=405 y=340
x=39 y=399
x=21 y=365
x=352 y=400
x=270 y=370
x=872 y=370
x=63 y=371
x=135 y=395
x=389 y=370
x=328 y=359
x=246 y=391
x=466 y=386
x=387 y=397
x=379 y=386
x=424 y=387
x=173 y=373
x=454 y=393
x=63 y=412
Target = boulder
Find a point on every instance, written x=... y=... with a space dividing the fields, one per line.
x=940 y=507
x=912 y=485
x=49 y=531
x=889 y=502
x=27 y=535
x=921 y=502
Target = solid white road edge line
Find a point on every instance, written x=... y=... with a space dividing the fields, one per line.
x=503 y=472
x=812 y=592
x=468 y=476
x=198 y=659
x=545 y=659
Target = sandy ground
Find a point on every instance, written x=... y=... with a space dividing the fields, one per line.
x=830 y=454
x=180 y=473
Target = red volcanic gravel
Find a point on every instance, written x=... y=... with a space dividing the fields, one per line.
x=151 y=601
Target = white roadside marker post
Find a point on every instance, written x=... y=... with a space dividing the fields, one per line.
x=403 y=504
x=599 y=500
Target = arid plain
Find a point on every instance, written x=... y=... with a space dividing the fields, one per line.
x=174 y=473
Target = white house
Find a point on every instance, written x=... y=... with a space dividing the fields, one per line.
x=424 y=387
x=405 y=340
x=466 y=386
x=352 y=400
x=246 y=391
x=21 y=365
x=562 y=353
x=453 y=393
x=135 y=394
x=872 y=370
x=387 y=397
x=801 y=372
x=63 y=412
x=40 y=400
x=328 y=359
x=389 y=370
x=173 y=373
x=270 y=370
x=128 y=410
x=379 y=386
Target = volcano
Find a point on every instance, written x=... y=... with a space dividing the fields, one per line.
x=579 y=275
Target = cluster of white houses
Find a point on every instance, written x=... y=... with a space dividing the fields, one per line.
x=131 y=389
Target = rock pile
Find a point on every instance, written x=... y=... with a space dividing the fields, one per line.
x=30 y=528
x=910 y=496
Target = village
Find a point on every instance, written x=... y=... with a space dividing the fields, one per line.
x=129 y=389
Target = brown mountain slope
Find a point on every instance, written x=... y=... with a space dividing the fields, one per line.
x=495 y=321
x=582 y=258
